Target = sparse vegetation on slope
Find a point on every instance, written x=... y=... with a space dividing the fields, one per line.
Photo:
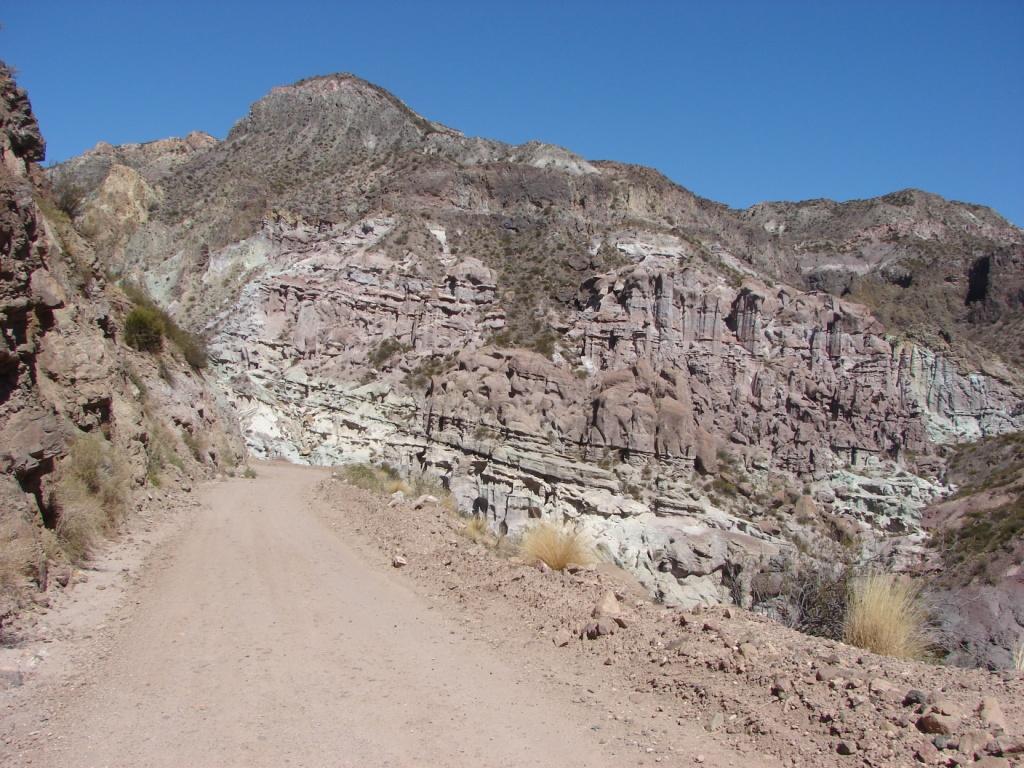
x=18 y=553
x=147 y=324
x=989 y=505
x=144 y=330
x=385 y=351
x=384 y=479
x=92 y=494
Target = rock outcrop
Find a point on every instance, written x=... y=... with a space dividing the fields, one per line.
x=65 y=371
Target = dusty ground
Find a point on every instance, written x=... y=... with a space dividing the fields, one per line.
x=261 y=630
x=261 y=622
x=743 y=683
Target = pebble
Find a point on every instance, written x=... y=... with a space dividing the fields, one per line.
x=991 y=713
x=10 y=677
x=846 y=747
x=973 y=742
x=927 y=753
x=933 y=722
x=880 y=685
x=943 y=705
x=423 y=500
x=914 y=698
x=782 y=687
x=991 y=762
x=595 y=629
x=608 y=606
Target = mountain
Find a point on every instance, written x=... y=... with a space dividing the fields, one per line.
x=717 y=396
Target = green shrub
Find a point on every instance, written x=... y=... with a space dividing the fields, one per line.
x=384 y=351
x=192 y=347
x=144 y=330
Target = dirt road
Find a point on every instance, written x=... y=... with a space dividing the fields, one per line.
x=266 y=640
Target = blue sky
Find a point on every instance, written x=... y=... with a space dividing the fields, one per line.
x=738 y=101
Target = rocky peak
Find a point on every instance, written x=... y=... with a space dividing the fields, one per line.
x=152 y=159
x=335 y=111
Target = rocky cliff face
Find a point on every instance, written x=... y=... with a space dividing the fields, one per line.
x=65 y=372
x=703 y=389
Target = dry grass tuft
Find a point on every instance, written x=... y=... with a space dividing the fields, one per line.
x=92 y=494
x=18 y=552
x=1017 y=654
x=556 y=545
x=476 y=529
x=885 y=615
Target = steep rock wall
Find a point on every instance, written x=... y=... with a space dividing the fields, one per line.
x=335 y=352
x=65 y=371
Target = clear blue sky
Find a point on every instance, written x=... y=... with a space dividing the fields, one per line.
x=738 y=101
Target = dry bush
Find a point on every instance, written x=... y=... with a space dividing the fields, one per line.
x=816 y=598
x=160 y=452
x=885 y=615
x=67 y=196
x=556 y=545
x=18 y=553
x=92 y=494
x=1017 y=655
x=196 y=444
